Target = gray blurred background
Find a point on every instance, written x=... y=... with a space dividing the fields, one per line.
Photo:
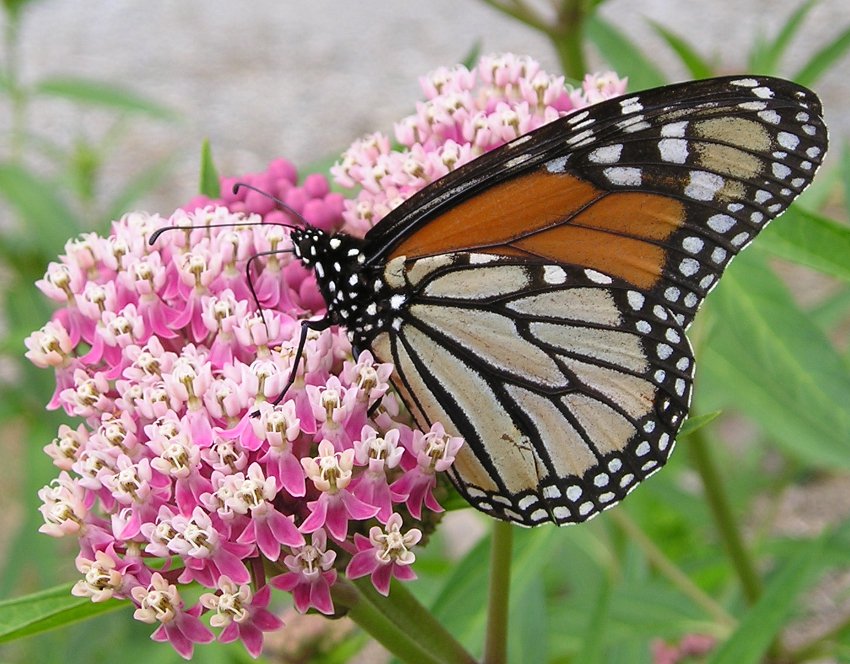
x=302 y=79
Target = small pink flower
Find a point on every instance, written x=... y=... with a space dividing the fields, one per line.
x=434 y=452
x=160 y=602
x=242 y=613
x=65 y=448
x=379 y=454
x=385 y=554
x=268 y=528
x=331 y=473
x=310 y=575
x=50 y=346
x=106 y=576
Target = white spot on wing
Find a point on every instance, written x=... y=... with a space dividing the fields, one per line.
x=556 y=165
x=673 y=150
x=788 y=140
x=703 y=185
x=554 y=274
x=598 y=277
x=607 y=154
x=623 y=176
x=674 y=129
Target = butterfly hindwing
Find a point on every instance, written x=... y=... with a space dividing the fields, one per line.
x=568 y=386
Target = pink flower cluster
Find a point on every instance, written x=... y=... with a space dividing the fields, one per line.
x=183 y=468
x=465 y=114
x=162 y=353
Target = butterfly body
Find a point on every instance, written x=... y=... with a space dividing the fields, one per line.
x=535 y=300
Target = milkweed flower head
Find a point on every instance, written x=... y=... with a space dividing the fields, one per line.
x=180 y=466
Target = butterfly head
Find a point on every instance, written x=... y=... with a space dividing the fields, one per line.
x=338 y=262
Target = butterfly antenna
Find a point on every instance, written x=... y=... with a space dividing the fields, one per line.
x=236 y=188
x=283 y=206
x=250 y=279
x=155 y=235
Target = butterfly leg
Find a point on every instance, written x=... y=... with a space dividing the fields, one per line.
x=306 y=326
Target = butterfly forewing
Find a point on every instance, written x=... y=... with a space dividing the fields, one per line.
x=661 y=188
x=534 y=300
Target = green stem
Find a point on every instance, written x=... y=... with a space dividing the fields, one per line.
x=567 y=38
x=378 y=625
x=496 y=644
x=668 y=569
x=403 y=609
x=519 y=11
x=17 y=94
x=724 y=518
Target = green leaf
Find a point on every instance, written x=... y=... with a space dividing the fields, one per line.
x=769 y=359
x=210 y=184
x=761 y=624
x=472 y=55
x=693 y=61
x=697 y=422
x=528 y=640
x=47 y=220
x=104 y=95
x=622 y=55
x=810 y=239
x=764 y=60
x=845 y=174
x=463 y=601
x=832 y=310
x=46 y=610
x=592 y=648
x=809 y=73
x=14 y=8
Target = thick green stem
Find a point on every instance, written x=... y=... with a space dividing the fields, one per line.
x=668 y=569
x=362 y=611
x=496 y=644
x=567 y=38
x=724 y=518
x=565 y=32
x=403 y=609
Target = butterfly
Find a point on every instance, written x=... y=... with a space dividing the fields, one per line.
x=535 y=300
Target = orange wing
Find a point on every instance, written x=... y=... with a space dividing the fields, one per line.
x=560 y=219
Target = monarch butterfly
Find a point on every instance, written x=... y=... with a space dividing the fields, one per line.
x=535 y=300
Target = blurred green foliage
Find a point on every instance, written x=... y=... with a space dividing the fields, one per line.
x=658 y=567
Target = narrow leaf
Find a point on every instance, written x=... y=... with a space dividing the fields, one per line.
x=761 y=624
x=210 y=185
x=845 y=174
x=622 y=55
x=832 y=310
x=43 y=213
x=528 y=640
x=765 y=60
x=693 y=61
x=823 y=59
x=769 y=359
x=105 y=95
x=46 y=610
x=697 y=422
x=810 y=239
